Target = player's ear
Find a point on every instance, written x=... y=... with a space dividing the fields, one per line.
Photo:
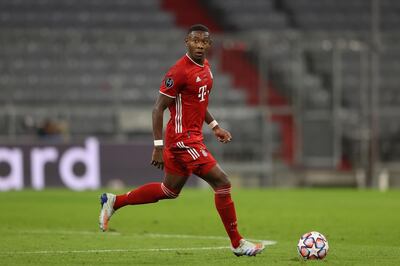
x=186 y=41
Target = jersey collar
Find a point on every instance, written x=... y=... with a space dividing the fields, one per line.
x=194 y=61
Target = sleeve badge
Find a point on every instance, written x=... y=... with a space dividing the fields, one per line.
x=169 y=82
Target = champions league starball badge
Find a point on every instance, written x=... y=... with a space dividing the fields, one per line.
x=169 y=82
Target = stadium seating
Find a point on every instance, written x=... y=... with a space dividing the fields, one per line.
x=92 y=62
x=323 y=54
x=87 y=56
x=96 y=66
x=88 y=14
x=354 y=15
x=256 y=14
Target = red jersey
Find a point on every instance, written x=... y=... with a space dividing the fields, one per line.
x=190 y=85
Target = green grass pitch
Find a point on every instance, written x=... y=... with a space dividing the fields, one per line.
x=60 y=227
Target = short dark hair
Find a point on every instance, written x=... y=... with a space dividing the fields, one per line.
x=198 y=27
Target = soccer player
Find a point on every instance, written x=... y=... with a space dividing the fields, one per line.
x=185 y=91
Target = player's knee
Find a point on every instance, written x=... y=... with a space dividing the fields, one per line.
x=222 y=184
x=222 y=181
x=225 y=182
x=219 y=185
x=223 y=191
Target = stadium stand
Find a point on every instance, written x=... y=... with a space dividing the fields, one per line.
x=96 y=66
x=354 y=54
x=257 y=14
x=322 y=53
x=98 y=63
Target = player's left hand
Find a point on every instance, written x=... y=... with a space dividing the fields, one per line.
x=157 y=158
x=222 y=135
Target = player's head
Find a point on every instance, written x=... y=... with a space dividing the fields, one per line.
x=198 y=41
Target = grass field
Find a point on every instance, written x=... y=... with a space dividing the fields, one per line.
x=59 y=227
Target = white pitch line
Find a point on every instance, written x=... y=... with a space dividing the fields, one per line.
x=265 y=242
x=71 y=232
x=66 y=232
x=185 y=236
x=107 y=250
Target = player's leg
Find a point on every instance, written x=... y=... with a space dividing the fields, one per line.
x=219 y=181
x=148 y=193
x=152 y=192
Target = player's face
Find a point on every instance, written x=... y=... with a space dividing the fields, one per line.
x=198 y=43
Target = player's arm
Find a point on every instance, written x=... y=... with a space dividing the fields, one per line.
x=221 y=134
x=157 y=116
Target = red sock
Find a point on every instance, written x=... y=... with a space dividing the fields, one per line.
x=149 y=193
x=226 y=210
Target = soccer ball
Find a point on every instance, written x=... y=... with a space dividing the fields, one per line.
x=313 y=245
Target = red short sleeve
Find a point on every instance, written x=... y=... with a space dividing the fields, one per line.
x=172 y=82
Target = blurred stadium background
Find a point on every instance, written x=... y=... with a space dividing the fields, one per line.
x=309 y=89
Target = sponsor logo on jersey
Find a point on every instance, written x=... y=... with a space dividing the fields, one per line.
x=202 y=93
x=169 y=82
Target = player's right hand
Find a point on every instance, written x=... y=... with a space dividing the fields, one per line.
x=157 y=158
x=222 y=135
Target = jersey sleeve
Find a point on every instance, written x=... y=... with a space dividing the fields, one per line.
x=173 y=82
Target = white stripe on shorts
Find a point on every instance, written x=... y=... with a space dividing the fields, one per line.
x=191 y=151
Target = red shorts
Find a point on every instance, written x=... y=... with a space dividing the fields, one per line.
x=184 y=159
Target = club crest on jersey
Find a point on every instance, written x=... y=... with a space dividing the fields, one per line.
x=204 y=152
x=169 y=82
